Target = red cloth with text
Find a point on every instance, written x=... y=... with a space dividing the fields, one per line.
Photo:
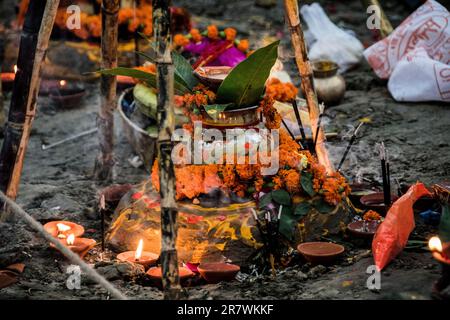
x=392 y=234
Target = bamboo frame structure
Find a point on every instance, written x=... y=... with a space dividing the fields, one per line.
x=166 y=121
x=33 y=46
x=307 y=83
x=104 y=165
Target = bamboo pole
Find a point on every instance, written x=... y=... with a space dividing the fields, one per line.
x=385 y=25
x=104 y=165
x=2 y=55
x=33 y=46
x=307 y=83
x=165 y=83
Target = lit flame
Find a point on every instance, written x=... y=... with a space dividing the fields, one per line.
x=15 y=68
x=70 y=239
x=62 y=83
x=138 y=253
x=435 y=244
x=63 y=227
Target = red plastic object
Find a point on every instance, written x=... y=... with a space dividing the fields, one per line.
x=392 y=235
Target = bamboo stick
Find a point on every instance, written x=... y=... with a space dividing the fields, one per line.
x=307 y=84
x=2 y=55
x=385 y=25
x=165 y=83
x=33 y=46
x=104 y=165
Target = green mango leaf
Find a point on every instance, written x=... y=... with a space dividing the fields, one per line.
x=287 y=224
x=265 y=200
x=322 y=206
x=306 y=182
x=281 y=197
x=302 y=209
x=213 y=110
x=444 y=225
x=148 y=78
x=244 y=86
x=183 y=70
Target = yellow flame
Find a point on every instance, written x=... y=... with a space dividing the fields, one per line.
x=15 y=68
x=62 y=83
x=435 y=244
x=138 y=253
x=62 y=227
x=70 y=239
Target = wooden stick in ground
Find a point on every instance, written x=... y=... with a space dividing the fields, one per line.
x=33 y=46
x=165 y=83
x=385 y=25
x=104 y=165
x=307 y=84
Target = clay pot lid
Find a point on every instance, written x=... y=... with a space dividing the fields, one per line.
x=212 y=76
x=320 y=252
x=357 y=228
x=376 y=198
x=156 y=272
x=218 y=267
x=115 y=192
x=362 y=189
x=76 y=229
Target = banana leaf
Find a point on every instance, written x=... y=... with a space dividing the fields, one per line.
x=244 y=86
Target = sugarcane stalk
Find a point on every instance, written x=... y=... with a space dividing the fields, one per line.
x=165 y=112
x=33 y=46
x=307 y=83
x=104 y=165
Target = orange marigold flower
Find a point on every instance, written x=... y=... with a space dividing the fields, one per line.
x=372 y=215
x=180 y=40
x=292 y=180
x=196 y=35
x=281 y=91
x=213 y=32
x=277 y=182
x=243 y=45
x=230 y=34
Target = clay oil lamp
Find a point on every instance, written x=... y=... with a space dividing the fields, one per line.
x=441 y=252
x=80 y=246
x=363 y=228
x=212 y=76
x=155 y=275
x=124 y=82
x=359 y=190
x=375 y=201
x=239 y=118
x=61 y=229
x=139 y=256
x=217 y=272
x=320 y=252
x=8 y=79
x=67 y=94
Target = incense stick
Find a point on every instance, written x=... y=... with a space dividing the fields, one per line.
x=299 y=120
x=347 y=150
x=386 y=192
x=319 y=121
x=102 y=213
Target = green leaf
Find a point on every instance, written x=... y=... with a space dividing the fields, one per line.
x=287 y=224
x=148 y=78
x=183 y=70
x=322 y=206
x=302 y=209
x=306 y=182
x=444 y=225
x=281 y=197
x=244 y=86
x=265 y=200
x=213 y=110
x=146 y=56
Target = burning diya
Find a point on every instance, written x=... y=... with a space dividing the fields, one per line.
x=320 y=252
x=155 y=274
x=139 y=256
x=80 y=246
x=212 y=77
x=441 y=252
x=8 y=79
x=67 y=94
x=61 y=229
x=217 y=272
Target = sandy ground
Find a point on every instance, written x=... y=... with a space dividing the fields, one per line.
x=57 y=183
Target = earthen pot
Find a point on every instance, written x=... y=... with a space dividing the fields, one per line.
x=363 y=229
x=212 y=76
x=155 y=275
x=217 y=272
x=75 y=229
x=320 y=252
x=330 y=86
x=359 y=190
x=147 y=259
x=375 y=202
x=80 y=246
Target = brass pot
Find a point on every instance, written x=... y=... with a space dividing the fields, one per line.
x=330 y=86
